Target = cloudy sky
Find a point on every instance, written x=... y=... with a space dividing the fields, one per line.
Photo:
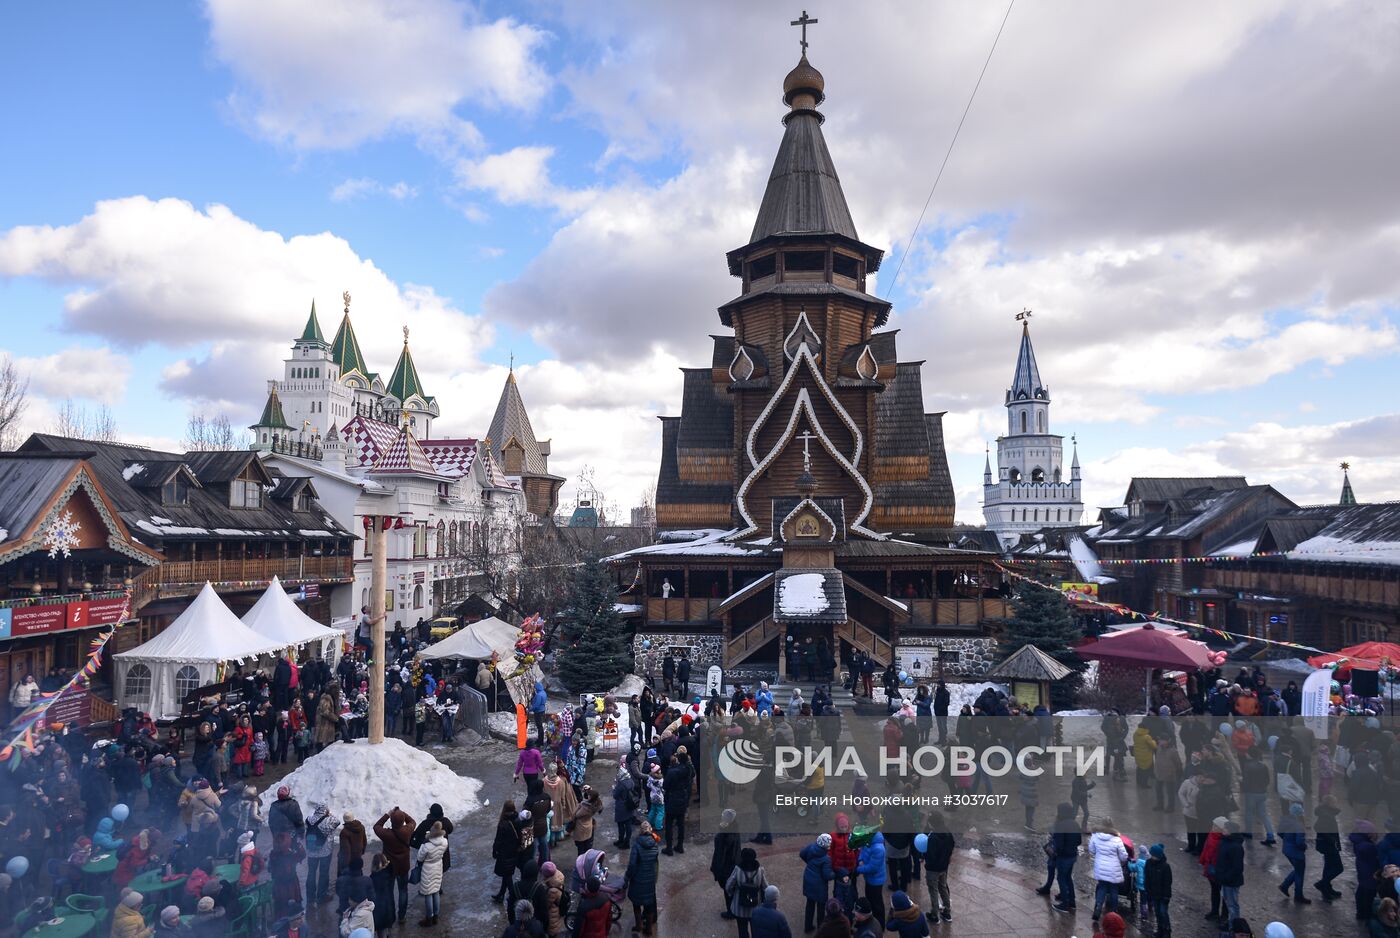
x=1200 y=204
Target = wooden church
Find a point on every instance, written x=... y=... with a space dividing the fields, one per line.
x=803 y=492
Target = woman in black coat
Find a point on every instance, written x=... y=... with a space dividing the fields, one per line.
x=383 y=879
x=726 y=852
x=505 y=849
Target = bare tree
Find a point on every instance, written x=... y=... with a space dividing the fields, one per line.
x=203 y=434
x=14 y=395
x=77 y=422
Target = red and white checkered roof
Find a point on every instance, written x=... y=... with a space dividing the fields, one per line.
x=374 y=443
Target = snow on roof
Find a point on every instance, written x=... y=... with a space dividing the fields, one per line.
x=1240 y=549
x=1085 y=560
x=1325 y=547
x=802 y=594
x=133 y=470
x=710 y=543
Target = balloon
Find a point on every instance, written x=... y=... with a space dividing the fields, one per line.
x=904 y=675
x=1346 y=688
x=646 y=643
x=921 y=843
x=1227 y=729
x=17 y=866
x=1273 y=742
x=908 y=682
x=1336 y=688
x=120 y=812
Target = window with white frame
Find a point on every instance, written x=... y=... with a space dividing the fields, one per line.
x=138 y=685
x=186 y=681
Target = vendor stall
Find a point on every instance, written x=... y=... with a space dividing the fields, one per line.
x=156 y=676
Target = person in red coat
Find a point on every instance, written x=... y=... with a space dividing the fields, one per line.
x=842 y=856
x=287 y=852
x=137 y=855
x=243 y=747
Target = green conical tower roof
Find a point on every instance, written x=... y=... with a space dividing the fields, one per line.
x=345 y=350
x=404 y=382
x=272 y=416
x=1348 y=496
x=312 y=332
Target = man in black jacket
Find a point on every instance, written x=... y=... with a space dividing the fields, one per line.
x=668 y=672
x=937 y=858
x=676 y=789
x=1229 y=871
x=683 y=676
x=941 y=699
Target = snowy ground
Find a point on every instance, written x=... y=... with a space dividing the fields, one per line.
x=364 y=780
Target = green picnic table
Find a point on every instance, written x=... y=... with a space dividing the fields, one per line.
x=102 y=864
x=150 y=883
x=73 y=925
x=228 y=872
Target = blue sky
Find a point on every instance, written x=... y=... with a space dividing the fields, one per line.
x=1198 y=208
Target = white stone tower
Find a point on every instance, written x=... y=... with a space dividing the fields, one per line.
x=1029 y=490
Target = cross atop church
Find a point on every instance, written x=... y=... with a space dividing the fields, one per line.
x=804 y=21
x=806 y=436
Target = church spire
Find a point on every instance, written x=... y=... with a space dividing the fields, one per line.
x=987 y=468
x=1348 y=496
x=311 y=335
x=1074 y=465
x=1025 y=384
x=345 y=348
x=404 y=382
x=804 y=193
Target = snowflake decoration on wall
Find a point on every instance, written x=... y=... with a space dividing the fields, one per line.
x=61 y=535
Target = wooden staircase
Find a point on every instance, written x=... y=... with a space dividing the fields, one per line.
x=743 y=645
x=867 y=641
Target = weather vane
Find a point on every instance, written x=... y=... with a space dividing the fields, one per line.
x=1024 y=315
x=346 y=298
x=405 y=335
x=804 y=21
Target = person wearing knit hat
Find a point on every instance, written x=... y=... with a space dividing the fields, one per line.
x=1295 y=849
x=818 y=873
x=906 y=920
x=170 y=916
x=767 y=919
x=205 y=904
x=127 y=921
x=132 y=899
x=1113 y=926
x=1157 y=887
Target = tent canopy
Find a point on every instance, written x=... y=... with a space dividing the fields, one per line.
x=156 y=677
x=1369 y=656
x=476 y=641
x=1148 y=647
x=206 y=631
x=278 y=618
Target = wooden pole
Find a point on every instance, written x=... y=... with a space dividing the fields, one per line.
x=379 y=575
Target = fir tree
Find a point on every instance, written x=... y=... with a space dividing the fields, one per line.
x=595 y=644
x=1042 y=618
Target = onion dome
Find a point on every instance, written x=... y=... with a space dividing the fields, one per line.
x=804 y=86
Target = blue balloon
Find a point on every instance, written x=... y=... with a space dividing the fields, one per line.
x=1273 y=742
x=1227 y=729
x=646 y=643
x=120 y=812
x=921 y=843
x=904 y=675
x=908 y=682
x=17 y=866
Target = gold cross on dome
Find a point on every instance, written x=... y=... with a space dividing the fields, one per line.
x=804 y=21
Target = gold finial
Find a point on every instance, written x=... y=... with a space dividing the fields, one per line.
x=405 y=335
x=345 y=298
x=1346 y=466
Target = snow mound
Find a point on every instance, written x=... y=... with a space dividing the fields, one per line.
x=1289 y=666
x=631 y=684
x=369 y=780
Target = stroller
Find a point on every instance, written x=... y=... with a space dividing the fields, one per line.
x=593 y=863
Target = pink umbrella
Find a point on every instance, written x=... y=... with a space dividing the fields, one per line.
x=1148 y=647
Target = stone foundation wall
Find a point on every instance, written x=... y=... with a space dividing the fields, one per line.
x=919 y=655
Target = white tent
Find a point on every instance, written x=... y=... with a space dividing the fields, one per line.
x=276 y=616
x=476 y=641
x=156 y=676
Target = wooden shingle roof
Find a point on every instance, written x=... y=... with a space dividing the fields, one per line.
x=1029 y=663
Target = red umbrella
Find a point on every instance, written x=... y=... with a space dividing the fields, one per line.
x=1370 y=656
x=1148 y=647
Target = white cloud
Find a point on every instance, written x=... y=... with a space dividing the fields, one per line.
x=163 y=272
x=319 y=76
x=520 y=176
x=96 y=374
x=363 y=186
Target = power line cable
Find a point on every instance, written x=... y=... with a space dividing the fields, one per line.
x=952 y=143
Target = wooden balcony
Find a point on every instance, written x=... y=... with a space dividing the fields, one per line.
x=954 y=613
x=187 y=577
x=680 y=610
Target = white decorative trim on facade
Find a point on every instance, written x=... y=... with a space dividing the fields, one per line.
x=801 y=332
x=742 y=367
x=808 y=503
x=866 y=365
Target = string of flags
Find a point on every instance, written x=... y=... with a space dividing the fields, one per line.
x=1158 y=618
x=26 y=726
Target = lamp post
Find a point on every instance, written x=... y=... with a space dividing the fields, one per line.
x=379 y=574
